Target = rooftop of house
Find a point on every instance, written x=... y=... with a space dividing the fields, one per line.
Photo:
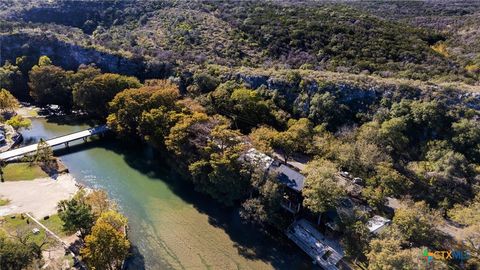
x=326 y=252
x=288 y=176
x=258 y=158
x=377 y=223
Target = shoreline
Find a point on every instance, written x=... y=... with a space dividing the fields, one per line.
x=12 y=139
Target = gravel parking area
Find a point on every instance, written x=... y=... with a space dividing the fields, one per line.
x=38 y=197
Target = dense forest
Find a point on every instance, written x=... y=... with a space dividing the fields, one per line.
x=388 y=92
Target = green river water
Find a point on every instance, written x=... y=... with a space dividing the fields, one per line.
x=171 y=226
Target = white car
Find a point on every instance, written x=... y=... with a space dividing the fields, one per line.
x=358 y=181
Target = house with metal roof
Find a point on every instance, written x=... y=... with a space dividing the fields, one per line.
x=325 y=253
x=288 y=176
x=293 y=183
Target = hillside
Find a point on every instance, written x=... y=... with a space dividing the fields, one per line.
x=456 y=21
x=307 y=35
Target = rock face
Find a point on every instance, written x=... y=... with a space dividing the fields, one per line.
x=299 y=95
x=358 y=98
x=66 y=55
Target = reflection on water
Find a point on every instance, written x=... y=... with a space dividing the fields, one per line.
x=171 y=226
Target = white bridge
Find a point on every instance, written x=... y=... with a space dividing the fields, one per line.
x=54 y=142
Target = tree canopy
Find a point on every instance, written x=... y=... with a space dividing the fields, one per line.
x=18 y=122
x=16 y=255
x=321 y=191
x=106 y=246
x=76 y=215
x=49 y=85
x=93 y=96
x=7 y=101
x=133 y=107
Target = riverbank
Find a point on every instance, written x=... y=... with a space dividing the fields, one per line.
x=27 y=110
x=11 y=137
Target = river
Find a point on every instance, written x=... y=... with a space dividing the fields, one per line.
x=171 y=226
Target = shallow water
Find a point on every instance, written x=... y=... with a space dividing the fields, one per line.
x=171 y=226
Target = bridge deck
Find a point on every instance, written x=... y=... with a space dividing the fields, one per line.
x=54 y=142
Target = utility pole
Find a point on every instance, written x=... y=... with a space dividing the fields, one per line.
x=1 y=171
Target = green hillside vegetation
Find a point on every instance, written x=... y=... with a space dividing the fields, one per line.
x=456 y=21
x=315 y=36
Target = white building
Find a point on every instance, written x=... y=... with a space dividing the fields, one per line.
x=257 y=158
x=377 y=224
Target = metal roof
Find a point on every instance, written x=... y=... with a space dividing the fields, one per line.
x=376 y=223
x=289 y=177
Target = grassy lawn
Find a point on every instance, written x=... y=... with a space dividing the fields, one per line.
x=24 y=227
x=4 y=202
x=22 y=171
x=12 y=226
x=55 y=224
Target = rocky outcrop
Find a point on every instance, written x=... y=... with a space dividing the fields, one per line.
x=66 y=55
x=358 y=97
x=300 y=95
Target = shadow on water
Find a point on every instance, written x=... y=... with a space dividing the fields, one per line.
x=80 y=147
x=70 y=120
x=249 y=241
x=136 y=259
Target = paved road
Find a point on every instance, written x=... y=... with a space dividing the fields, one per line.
x=54 y=142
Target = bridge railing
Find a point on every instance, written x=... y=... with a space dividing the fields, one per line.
x=60 y=136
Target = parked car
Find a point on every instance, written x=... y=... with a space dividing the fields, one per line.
x=358 y=181
x=345 y=174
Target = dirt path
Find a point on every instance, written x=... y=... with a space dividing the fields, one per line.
x=39 y=196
